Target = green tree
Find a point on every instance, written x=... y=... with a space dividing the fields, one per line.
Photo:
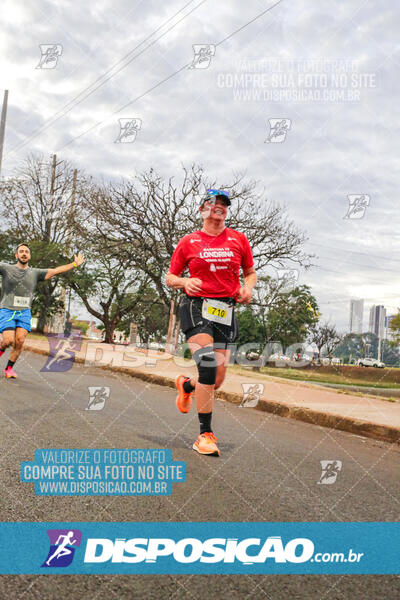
x=7 y=247
x=291 y=317
x=395 y=329
x=82 y=326
x=107 y=285
x=148 y=313
x=251 y=329
x=390 y=354
x=358 y=345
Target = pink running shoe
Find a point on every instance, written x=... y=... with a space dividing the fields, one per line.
x=10 y=374
x=183 y=399
x=206 y=443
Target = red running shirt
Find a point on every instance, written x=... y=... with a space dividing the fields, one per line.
x=216 y=260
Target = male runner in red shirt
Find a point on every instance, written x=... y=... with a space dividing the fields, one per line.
x=214 y=256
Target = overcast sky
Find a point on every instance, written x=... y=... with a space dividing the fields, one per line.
x=328 y=69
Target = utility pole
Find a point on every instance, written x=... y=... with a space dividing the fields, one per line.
x=55 y=319
x=171 y=324
x=53 y=175
x=72 y=210
x=3 y=125
x=176 y=334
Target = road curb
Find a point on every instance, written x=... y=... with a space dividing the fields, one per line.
x=307 y=415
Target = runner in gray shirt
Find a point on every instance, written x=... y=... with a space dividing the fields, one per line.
x=18 y=285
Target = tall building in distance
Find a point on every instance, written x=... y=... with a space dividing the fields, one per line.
x=356 y=315
x=377 y=316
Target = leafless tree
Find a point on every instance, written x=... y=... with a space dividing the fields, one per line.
x=109 y=288
x=37 y=200
x=36 y=204
x=145 y=217
x=325 y=336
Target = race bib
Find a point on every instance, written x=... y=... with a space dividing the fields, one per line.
x=22 y=301
x=217 y=311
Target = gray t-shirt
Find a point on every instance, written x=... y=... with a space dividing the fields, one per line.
x=18 y=285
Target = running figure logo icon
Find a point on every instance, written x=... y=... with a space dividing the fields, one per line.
x=50 y=55
x=357 y=206
x=62 y=352
x=63 y=543
x=278 y=129
x=97 y=397
x=251 y=394
x=128 y=129
x=203 y=54
x=330 y=470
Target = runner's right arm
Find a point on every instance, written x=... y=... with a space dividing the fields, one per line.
x=191 y=285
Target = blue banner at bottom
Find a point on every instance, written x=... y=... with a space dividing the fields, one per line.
x=199 y=548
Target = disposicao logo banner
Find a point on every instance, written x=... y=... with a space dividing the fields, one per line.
x=199 y=548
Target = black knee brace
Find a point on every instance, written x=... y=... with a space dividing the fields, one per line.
x=206 y=364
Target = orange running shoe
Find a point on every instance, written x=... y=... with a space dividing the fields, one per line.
x=10 y=374
x=206 y=444
x=183 y=399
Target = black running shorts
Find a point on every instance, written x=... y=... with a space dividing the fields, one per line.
x=193 y=322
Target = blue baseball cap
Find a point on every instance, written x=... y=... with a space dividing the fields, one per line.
x=214 y=194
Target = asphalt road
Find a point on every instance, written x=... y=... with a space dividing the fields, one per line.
x=268 y=471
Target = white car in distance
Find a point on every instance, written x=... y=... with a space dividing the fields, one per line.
x=370 y=362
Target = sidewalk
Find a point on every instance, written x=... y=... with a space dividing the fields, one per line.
x=362 y=415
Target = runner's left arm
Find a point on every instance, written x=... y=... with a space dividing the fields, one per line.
x=250 y=280
x=249 y=273
x=78 y=261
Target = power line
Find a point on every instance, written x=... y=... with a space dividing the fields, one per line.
x=349 y=262
x=64 y=111
x=349 y=298
x=353 y=252
x=3 y=125
x=167 y=78
x=341 y=273
x=248 y=23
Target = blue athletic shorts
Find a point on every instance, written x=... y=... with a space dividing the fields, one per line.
x=10 y=319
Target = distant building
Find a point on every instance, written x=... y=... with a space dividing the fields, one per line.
x=93 y=333
x=377 y=316
x=356 y=315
